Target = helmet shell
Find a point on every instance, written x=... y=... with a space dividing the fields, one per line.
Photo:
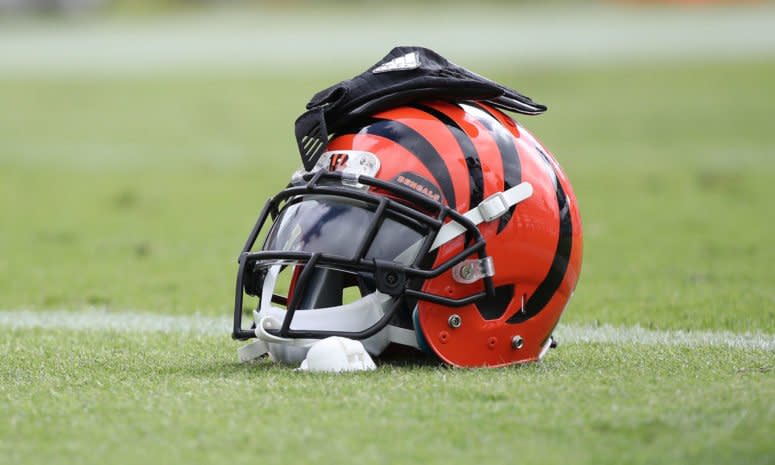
x=464 y=153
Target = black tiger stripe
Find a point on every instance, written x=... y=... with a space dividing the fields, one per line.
x=416 y=144
x=512 y=168
x=469 y=153
x=559 y=267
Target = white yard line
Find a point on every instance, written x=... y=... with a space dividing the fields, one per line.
x=94 y=319
x=607 y=334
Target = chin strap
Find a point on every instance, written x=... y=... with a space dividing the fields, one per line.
x=547 y=345
x=491 y=208
x=252 y=351
x=270 y=322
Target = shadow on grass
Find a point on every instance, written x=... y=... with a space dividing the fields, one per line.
x=221 y=368
x=400 y=356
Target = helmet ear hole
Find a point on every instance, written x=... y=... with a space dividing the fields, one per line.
x=493 y=307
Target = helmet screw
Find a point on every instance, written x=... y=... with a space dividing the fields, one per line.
x=391 y=278
x=467 y=271
x=517 y=342
x=455 y=321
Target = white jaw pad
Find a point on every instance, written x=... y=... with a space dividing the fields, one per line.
x=349 y=318
x=352 y=317
x=252 y=351
x=337 y=354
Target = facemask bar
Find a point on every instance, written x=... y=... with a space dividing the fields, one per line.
x=390 y=277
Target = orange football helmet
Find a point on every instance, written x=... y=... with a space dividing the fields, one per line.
x=457 y=228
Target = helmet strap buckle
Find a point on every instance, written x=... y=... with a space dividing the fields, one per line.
x=493 y=207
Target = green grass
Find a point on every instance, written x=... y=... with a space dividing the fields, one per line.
x=126 y=398
x=138 y=193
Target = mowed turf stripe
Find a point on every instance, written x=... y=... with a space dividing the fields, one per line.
x=95 y=319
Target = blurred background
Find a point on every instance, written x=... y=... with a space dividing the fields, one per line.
x=139 y=140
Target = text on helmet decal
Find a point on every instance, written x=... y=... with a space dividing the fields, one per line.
x=419 y=184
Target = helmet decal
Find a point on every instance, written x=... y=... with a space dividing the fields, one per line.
x=338 y=160
x=554 y=278
x=469 y=152
x=420 y=184
x=512 y=170
x=352 y=161
x=415 y=143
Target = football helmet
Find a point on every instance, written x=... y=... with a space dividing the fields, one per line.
x=440 y=225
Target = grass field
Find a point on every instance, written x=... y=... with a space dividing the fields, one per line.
x=134 y=194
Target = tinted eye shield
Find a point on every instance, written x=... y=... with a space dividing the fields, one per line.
x=390 y=277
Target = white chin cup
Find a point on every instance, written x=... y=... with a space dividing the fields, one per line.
x=283 y=350
x=336 y=354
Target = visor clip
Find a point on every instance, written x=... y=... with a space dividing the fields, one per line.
x=470 y=271
x=351 y=179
